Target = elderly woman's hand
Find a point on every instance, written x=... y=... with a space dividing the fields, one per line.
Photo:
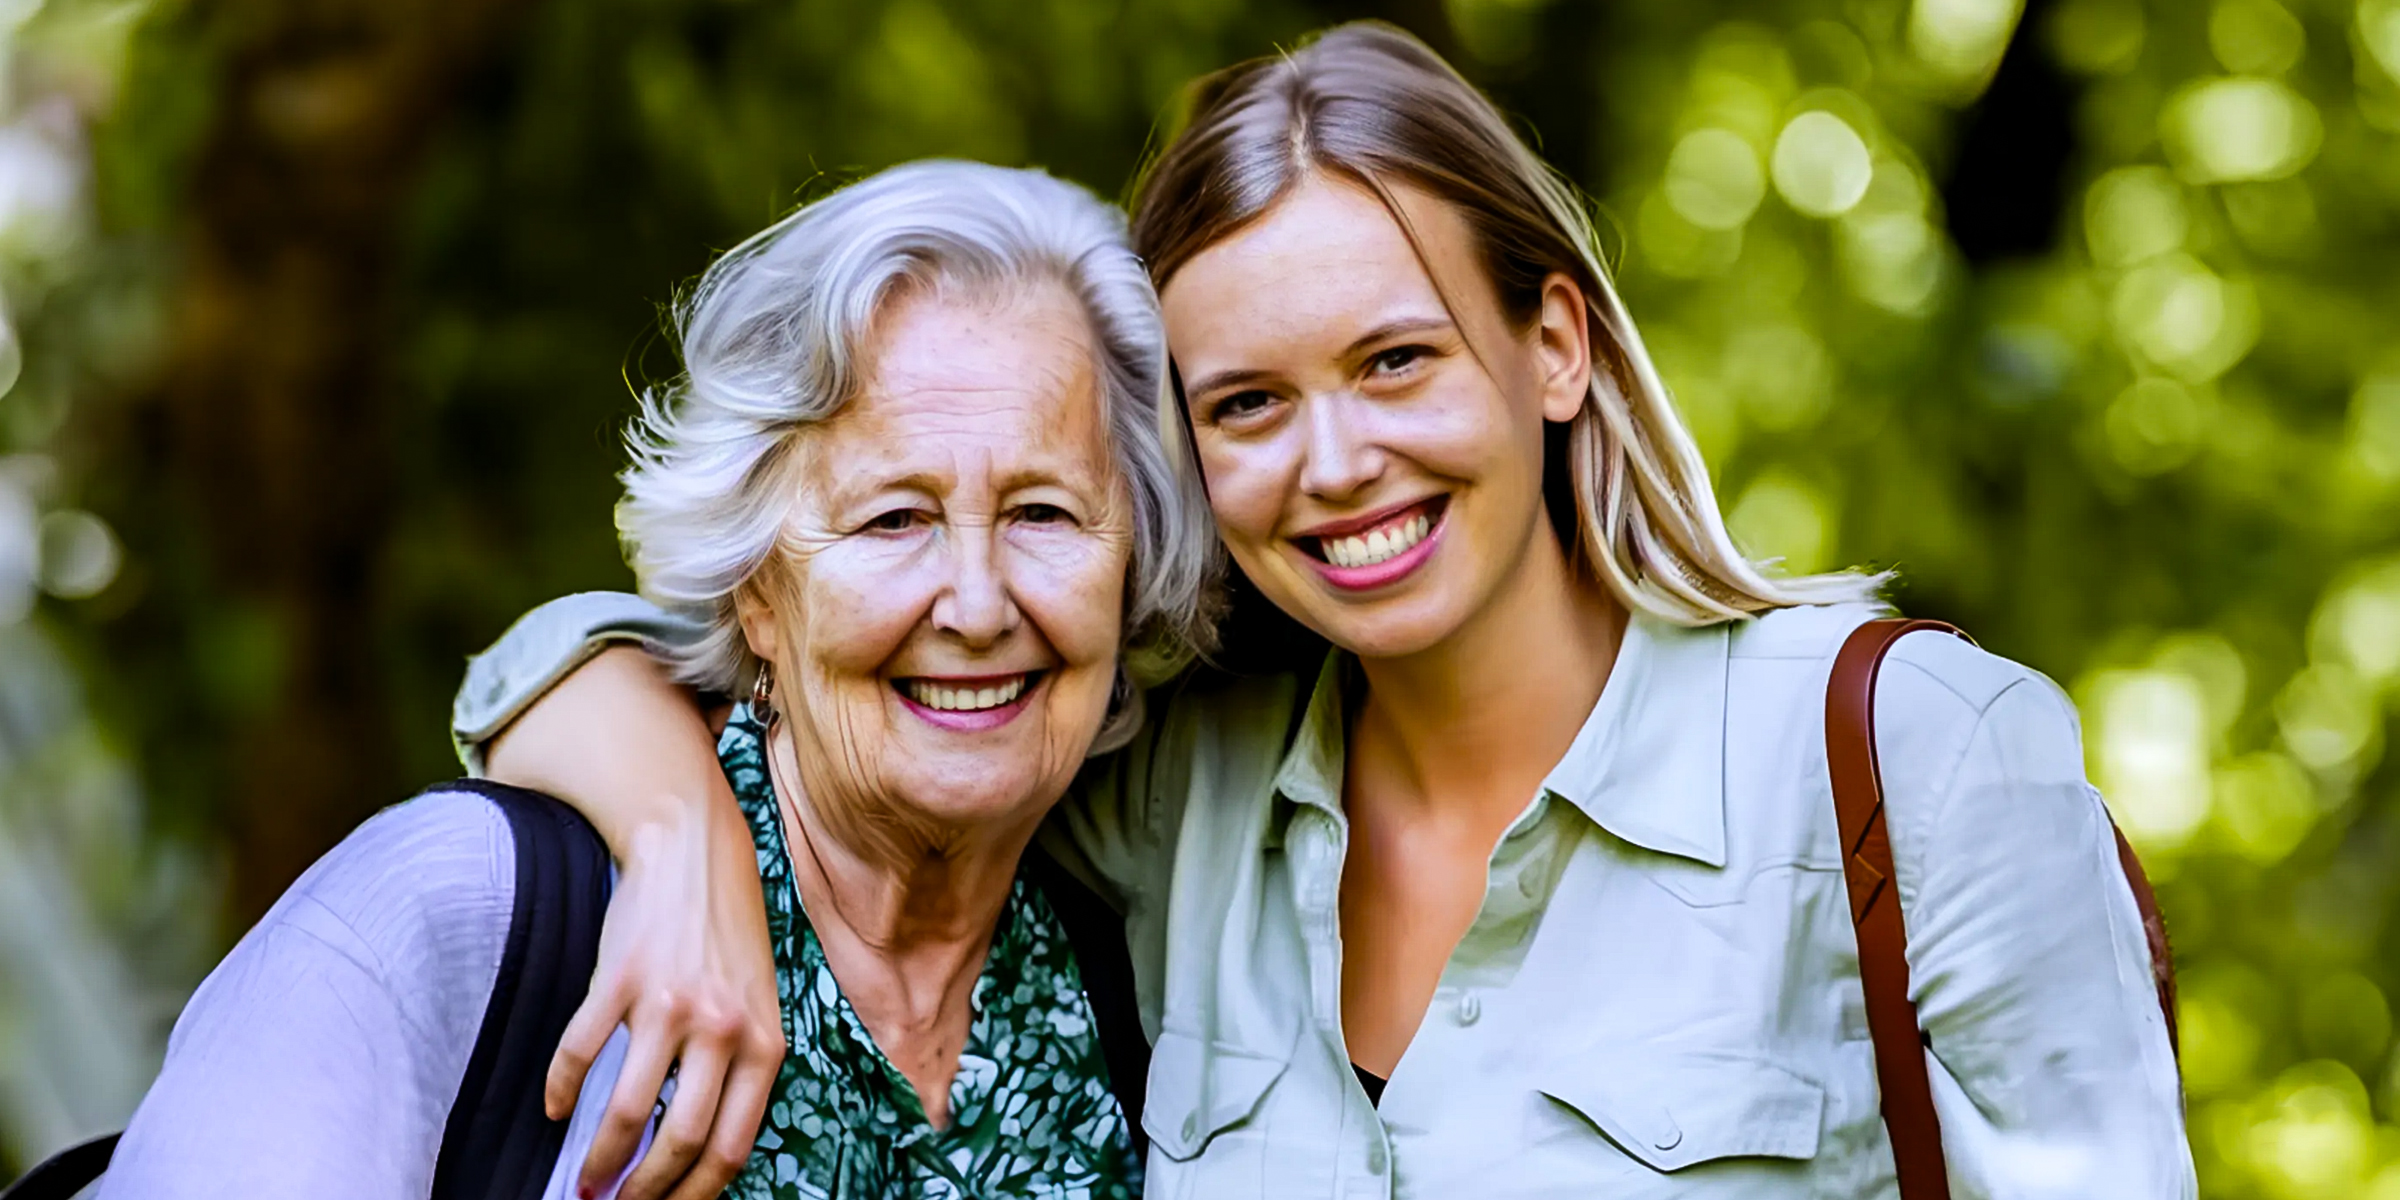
x=684 y=960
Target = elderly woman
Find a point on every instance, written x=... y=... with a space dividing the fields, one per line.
x=910 y=487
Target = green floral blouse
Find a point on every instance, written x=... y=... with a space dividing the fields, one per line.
x=1032 y=1115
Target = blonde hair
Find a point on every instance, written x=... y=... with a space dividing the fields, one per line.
x=1372 y=103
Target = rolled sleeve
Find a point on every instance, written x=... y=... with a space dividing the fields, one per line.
x=545 y=646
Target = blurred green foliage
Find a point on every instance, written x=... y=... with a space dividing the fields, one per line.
x=2082 y=318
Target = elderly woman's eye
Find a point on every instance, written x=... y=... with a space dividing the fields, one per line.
x=1044 y=514
x=899 y=520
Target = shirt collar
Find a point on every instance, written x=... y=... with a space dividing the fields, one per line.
x=1648 y=765
x=1311 y=772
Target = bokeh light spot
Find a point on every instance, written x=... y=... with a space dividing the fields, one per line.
x=1892 y=260
x=1714 y=180
x=2255 y=37
x=2181 y=316
x=2222 y=130
x=2379 y=30
x=2152 y=746
x=1821 y=164
x=80 y=554
x=2357 y=624
x=2328 y=718
x=1741 y=79
x=2133 y=213
x=2313 y=1137
x=1961 y=39
x=2155 y=425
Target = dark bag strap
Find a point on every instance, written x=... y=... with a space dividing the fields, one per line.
x=62 y=1175
x=499 y=1144
x=1900 y=1043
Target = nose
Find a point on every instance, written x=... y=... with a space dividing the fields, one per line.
x=975 y=605
x=1342 y=460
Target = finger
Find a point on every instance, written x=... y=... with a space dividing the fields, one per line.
x=744 y=1108
x=629 y=1109
x=587 y=1032
x=748 y=1087
x=699 y=1080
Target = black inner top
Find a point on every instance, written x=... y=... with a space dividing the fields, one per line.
x=1372 y=1082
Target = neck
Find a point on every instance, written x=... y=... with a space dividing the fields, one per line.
x=913 y=891
x=1488 y=711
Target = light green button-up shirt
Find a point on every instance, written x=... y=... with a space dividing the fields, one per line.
x=1660 y=995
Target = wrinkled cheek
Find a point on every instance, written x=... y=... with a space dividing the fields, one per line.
x=1073 y=588
x=856 y=624
x=840 y=742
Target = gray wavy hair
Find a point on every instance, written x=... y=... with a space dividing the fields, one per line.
x=773 y=339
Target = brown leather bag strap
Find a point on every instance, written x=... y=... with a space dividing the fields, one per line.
x=2154 y=928
x=1875 y=907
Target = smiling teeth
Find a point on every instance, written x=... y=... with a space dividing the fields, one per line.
x=1380 y=546
x=942 y=696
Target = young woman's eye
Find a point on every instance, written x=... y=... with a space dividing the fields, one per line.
x=1240 y=407
x=1044 y=514
x=1397 y=359
x=898 y=520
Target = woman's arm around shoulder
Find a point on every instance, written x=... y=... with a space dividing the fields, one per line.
x=2053 y=1072
x=568 y=702
x=322 y=1056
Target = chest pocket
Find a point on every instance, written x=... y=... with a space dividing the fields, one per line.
x=1200 y=1088
x=1677 y=1111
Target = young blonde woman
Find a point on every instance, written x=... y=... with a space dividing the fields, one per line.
x=1529 y=887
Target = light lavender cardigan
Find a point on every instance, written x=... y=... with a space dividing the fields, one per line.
x=320 y=1059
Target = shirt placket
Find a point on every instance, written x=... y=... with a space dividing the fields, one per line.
x=1318 y=841
x=1521 y=872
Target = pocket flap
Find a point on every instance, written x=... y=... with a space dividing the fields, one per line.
x=1199 y=1088
x=1683 y=1109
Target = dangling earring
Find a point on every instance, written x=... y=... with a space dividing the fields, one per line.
x=762 y=693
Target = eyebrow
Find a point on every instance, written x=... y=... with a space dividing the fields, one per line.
x=1387 y=330
x=933 y=484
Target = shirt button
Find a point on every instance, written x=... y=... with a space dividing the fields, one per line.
x=1191 y=1128
x=1375 y=1161
x=1470 y=1009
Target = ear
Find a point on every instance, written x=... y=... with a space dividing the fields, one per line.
x=759 y=626
x=1564 y=342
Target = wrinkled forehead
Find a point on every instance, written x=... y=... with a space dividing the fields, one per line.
x=971 y=388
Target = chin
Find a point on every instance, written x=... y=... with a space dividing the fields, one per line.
x=992 y=785
x=965 y=795
x=1395 y=627
x=1382 y=640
